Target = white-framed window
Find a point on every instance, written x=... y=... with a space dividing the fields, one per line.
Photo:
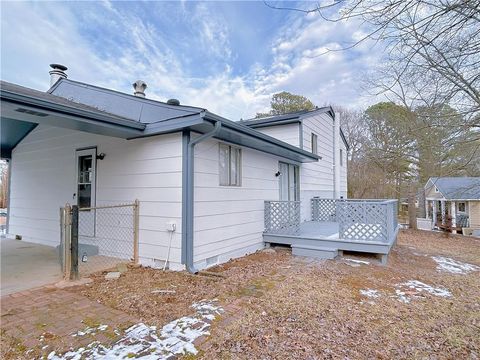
x=462 y=207
x=314 y=144
x=230 y=165
x=341 y=157
x=436 y=189
x=86 y=173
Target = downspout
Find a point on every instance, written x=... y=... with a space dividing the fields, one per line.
x=188 y=191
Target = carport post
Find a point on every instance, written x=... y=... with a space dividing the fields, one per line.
x=74 y=243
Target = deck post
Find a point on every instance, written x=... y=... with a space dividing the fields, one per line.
x=383 y=259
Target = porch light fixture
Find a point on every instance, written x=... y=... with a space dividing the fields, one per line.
x=101 y=156
x=278 y=173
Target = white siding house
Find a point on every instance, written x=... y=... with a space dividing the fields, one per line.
x=299 y=129
x=43 y=180
x=206 y=174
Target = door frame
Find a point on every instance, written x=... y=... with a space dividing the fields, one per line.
x=296 y=179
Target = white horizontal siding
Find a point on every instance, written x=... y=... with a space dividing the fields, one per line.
x=288 y=133
x=150 y=170
x=229 y=220
x=316 y=178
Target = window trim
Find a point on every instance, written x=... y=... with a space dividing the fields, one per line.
x=85 y=152
x=314 y=141
x=464 y=206
x=229 y=165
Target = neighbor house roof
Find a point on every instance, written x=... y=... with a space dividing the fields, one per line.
x=456 y=188
x=289 y=118
x=102 y=111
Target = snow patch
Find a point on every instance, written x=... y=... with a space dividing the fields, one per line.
x=405 y=292
x=142 y=341
x=452 y=266
x=370 y=293
x=90 y=330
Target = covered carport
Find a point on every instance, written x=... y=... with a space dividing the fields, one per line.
x=26 y=265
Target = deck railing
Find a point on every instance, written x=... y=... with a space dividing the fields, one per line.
x=282 y=217
x=365 y=220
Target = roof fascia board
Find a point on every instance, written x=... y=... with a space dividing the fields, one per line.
x=243 y=129
x=72 y=121
x=271 y=122
x=26 y=100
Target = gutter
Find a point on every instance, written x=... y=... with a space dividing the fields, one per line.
x=188 y=190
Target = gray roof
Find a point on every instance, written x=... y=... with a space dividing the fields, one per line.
x=88 y=108
x=457 y=188
x=133 y=107
x=8 y=90
x=274 y=119
x=289 y=118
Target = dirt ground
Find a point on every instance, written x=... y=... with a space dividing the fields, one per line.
x=297 y=308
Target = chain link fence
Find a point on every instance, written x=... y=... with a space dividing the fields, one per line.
x=98 y=238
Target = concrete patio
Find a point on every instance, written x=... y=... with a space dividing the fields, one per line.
x=27 y=265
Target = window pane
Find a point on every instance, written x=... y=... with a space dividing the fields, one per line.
x=85 y=181
x=223 y=164
x=314 y=143
x=84 y=195
x=235 y=166
x=283 y=181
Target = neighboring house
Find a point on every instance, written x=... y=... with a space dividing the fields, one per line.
x=91 y=146
x=457 y=198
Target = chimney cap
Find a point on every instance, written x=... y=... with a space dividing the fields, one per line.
x=59 y=67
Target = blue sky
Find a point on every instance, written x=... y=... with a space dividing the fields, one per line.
x=229 y=57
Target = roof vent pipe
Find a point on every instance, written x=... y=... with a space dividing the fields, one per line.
x=57 y=73
x=139 y=86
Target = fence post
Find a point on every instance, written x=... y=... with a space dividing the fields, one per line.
x=136 y=217
x=74 y=243
x=67 y=258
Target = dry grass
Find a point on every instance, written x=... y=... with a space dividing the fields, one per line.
x=135 y=293
x=314 y=310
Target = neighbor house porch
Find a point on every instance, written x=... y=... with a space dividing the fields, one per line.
x=337 y=225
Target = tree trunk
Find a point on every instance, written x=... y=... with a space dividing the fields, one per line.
x=412 y=211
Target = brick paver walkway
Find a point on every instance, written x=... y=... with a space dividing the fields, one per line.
x=48 y=319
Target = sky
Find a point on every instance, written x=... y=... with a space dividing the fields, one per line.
x=228 y=57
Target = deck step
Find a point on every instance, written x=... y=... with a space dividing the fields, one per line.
x=314 y=251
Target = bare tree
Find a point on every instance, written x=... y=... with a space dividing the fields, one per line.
x=433 y=48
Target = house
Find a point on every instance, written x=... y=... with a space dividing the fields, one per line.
x=205 y=185
x=457 y=198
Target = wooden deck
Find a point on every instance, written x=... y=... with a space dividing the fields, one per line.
x=325 y=235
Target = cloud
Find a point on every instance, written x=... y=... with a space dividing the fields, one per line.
x=183 y=51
